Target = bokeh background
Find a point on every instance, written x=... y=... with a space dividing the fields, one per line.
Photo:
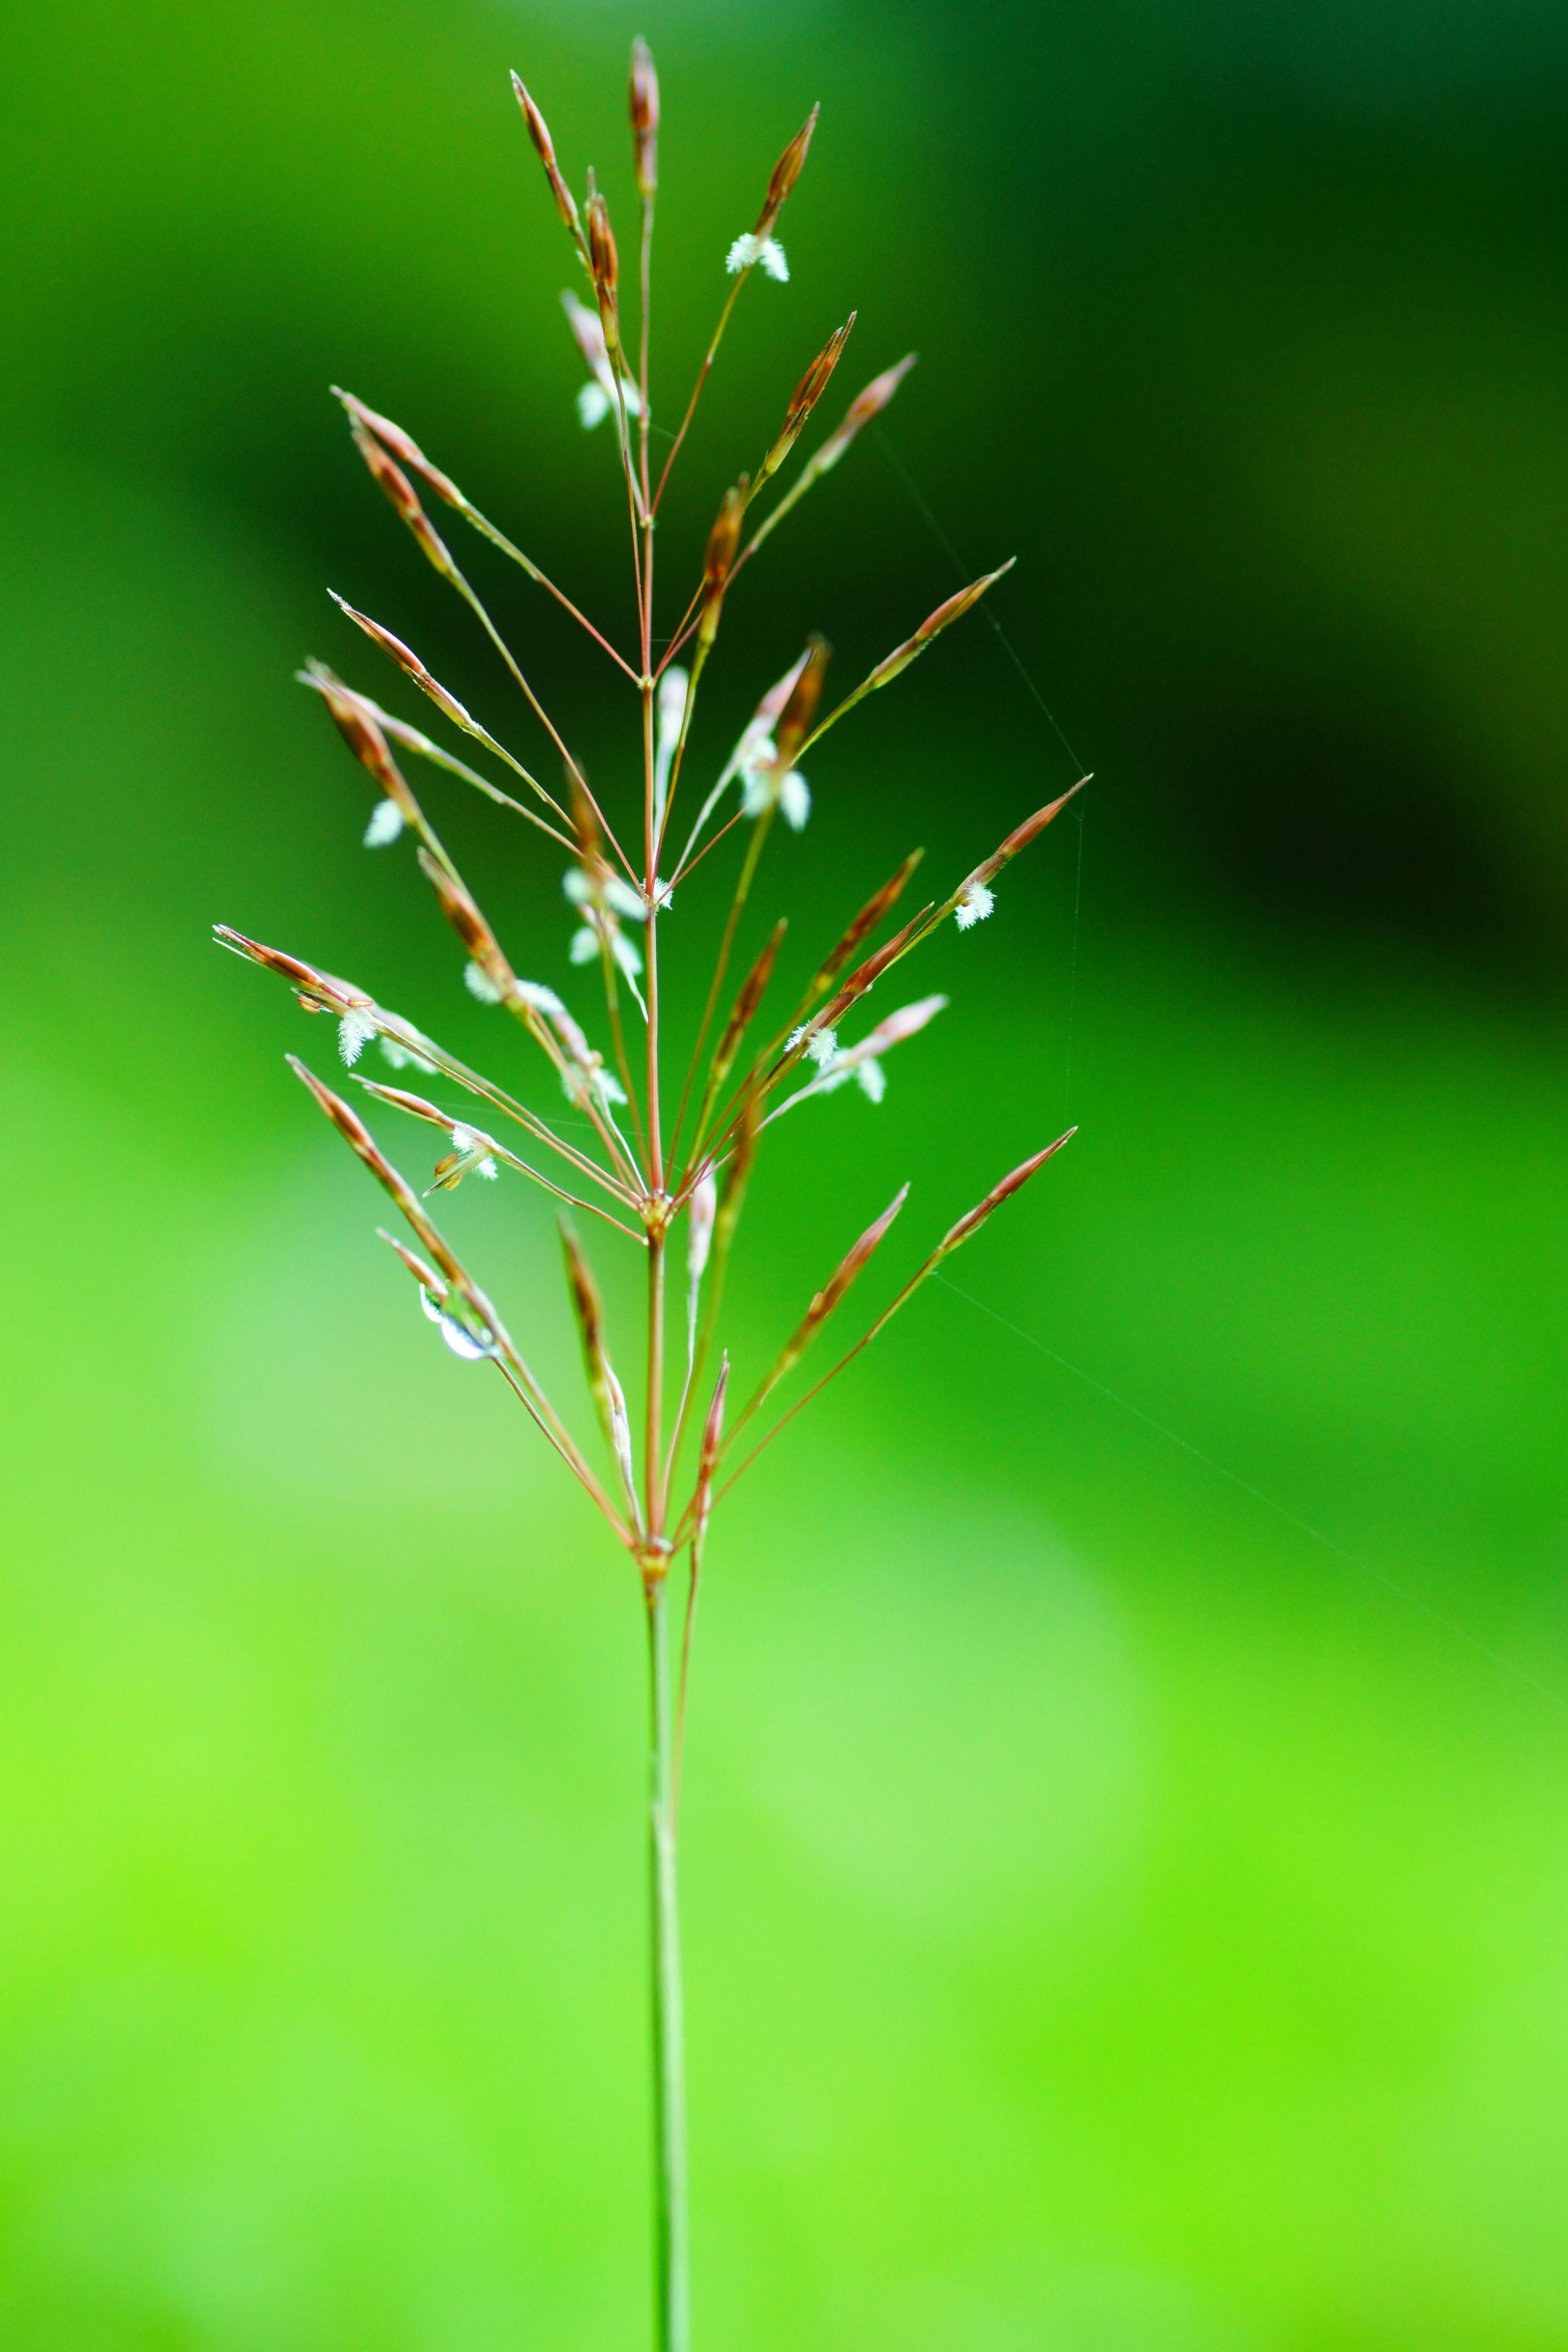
x=1117 y=1920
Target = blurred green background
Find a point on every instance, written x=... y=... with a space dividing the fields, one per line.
x=1117 y=1921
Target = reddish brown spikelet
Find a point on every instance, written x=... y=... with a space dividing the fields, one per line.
x=1020 y=837
x=358 y=1135
x=362 y=733
x=390 y=478
x=834 y=1288
x=606 y=264
x=399 y=1099
x=708 y=1460
x=468 y=923
x=794 y=720
x=807 y=392
x=862 y=409
x=407 y=661
x=425 y=1275
x=823 y=1305
x=587 y=1304
x=880 y=902
x=609 y=1400
x=1014 y=1182
x=866 y=975
x=401 y=445
x=953 y=609
x=719 y=557
x=786 y=172
x=778 y=695
x=643 y=100
x=753 y=989
x=539 y=132
x=328 y=993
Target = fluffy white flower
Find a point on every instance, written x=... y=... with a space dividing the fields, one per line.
x=764 y=787
x=385 y=825
x=626 y=954
x=794 y=800
x=974 y=904
x=574 y=1085
x=478 y=983
x=822 y=1048
x=752 y=249
x=610 y=892
x=596 y=400
x=468 y=1140
x=873 y=1078
x=585 y=945
x=355 y=1031
x=533 y=993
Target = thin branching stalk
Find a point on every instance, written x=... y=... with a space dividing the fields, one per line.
x=679 y=1201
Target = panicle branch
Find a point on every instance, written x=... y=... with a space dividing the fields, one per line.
x=648 y=1184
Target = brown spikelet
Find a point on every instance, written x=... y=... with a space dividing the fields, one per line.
x=931 y=629
x=328 y=995
x=1021 y=836
x=642 y=102
x=399 y=1099
x=401 y=445
x=425 y=1275
x=718 y=558
x=752 y=989
x=539 y=132
x=470 y=925
x=407 y=661
x=807 y=392
x=356 y=1133
x=952 y=609
x=880 y=903
x=867 y=974
x=786 y=172
x=795 y=720
x=972 y=1219
x=606 y=264
x=832 y=1292
x=862 y=409
x=708 y=1460
x=609 y=1398
x=390 y=478
x=844 y=1273
x=362 y=731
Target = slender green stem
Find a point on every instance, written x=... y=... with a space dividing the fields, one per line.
x=672 y=2315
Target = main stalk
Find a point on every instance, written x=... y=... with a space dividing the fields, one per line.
x=672 y=2306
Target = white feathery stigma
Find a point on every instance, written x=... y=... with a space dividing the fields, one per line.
x=749 y=249
x=478 y=983
x=355 y=1031
x=533 y=993
x=385 y=825
x=974 y=903
x=794 y=800
x=468 y=1140
x=597 y=399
